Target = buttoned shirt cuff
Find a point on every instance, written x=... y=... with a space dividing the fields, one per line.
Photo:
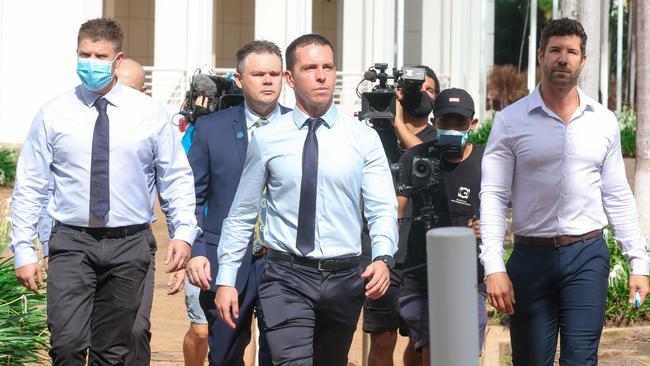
x=227 y=276
x=382 y=247
x=24 y=255
x=639 y=266
x=186 y=233
x=493 y=265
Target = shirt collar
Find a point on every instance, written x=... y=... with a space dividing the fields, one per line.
x=299 y=117
x=252 y=117
x=535 y=101
x=89 y=97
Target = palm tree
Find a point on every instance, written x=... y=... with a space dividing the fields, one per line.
x=642 y=170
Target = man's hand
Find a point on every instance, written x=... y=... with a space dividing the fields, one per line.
x=25 y=275
x=500 y=293
x=198 y=272
x=227 y=303
x=475 y=225
x=46 y=262
x=638 y=283
x=379 y=276
x=178 y=252
x=175 y=282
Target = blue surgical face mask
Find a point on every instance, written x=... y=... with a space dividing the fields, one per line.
x=95 y=74
x=464 y=134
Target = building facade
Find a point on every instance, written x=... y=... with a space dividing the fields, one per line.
x=174 y=38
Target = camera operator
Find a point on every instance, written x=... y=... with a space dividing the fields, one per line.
x=455 y=203
x=381 y=316
x=412 y=112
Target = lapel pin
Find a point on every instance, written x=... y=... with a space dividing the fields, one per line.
x=240 y=135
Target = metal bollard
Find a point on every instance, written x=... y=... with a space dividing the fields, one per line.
x=453 y=296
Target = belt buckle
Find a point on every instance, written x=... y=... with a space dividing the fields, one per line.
x=555 y=242
x=320 y=265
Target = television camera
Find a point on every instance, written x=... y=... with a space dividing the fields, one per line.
x=378 y=105
x=209 y=93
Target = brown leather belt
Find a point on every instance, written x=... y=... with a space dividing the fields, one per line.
x=557 y=241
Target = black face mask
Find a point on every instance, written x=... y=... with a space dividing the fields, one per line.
x=418 y=105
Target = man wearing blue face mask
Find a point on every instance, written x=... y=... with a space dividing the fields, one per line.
x=456 y=203
x=104 y=185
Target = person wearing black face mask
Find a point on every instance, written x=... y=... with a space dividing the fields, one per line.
x=412 y=111
x=381 y=317
x=456 y=203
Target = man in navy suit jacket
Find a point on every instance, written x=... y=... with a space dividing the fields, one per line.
x=217 y=158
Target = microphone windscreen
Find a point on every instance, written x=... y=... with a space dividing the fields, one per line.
x=204 y=85
x=370 y=75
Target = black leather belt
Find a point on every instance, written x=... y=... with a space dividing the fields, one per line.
x=325 y=265
x=557 y=241
x=108 y=232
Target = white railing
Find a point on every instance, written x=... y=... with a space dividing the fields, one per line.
x=169 y=87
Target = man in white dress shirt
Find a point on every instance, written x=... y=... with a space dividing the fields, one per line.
x=107 y=149
x=556 y=154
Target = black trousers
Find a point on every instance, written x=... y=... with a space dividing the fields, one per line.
x=94 y=290
x=310 y=316
x=140 y=347
x=558 y=290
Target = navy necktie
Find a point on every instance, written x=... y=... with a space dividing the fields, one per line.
x=99 y=179
x=307 y=208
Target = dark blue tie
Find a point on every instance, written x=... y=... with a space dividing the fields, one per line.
x=307 y=208
x=99 y=187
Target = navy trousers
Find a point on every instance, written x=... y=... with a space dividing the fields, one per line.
x=558 y=290
x=227 y=345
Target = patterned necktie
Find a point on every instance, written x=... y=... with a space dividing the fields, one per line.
x=307 y=208
x=259 y=246
x=261 y=122
x=99 y=179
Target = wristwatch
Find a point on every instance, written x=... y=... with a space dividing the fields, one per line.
x=387 y=259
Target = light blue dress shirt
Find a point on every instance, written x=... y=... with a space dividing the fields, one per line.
x=352 y=168
x=145 y=155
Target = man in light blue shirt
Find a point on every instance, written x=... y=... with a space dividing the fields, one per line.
x=104 y=185
x=320 y=169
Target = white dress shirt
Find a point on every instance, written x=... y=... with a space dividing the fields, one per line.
x=352 y=166
x=562 y=179
x=145 y=154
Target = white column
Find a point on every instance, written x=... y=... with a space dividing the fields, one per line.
x=27 y=81
x=604 y=52
x=451 y=281
x=182 y=43
x=282 y=21
x=199 y=34
x=379 y=37
x=452 y=40
x=532 y=46
x=619 y=56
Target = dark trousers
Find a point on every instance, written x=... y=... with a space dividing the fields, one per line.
x=227 y=345
x=558 y=289
x=94 y=290
x=140 y=347
x=310 y=315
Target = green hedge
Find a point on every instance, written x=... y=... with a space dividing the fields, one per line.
x=23 y=315
x=8 y=162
